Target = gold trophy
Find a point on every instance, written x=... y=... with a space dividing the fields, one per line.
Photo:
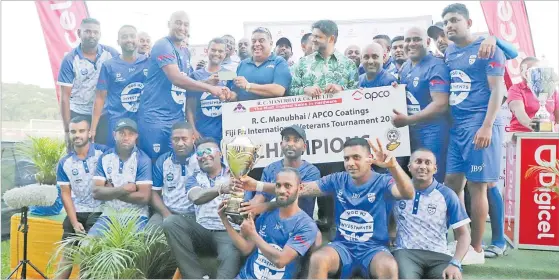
x=542 y=81
x=241 y=154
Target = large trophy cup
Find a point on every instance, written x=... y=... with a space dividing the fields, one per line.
x=241 y=154
x=542 y=81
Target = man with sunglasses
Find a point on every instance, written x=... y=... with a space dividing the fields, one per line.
x=170 y=172
x=205 y=234
x=164 y=94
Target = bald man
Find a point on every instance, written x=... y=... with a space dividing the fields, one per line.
x=375 y=75
x=353 y=52
x=144 y=43
x=244 y=48
x=427 y=80
x=164 y=94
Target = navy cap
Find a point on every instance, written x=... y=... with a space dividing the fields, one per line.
x=295 y=129
x=435 y=29
x=126 y=123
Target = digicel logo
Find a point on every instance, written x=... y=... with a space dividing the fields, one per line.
x=544 y=195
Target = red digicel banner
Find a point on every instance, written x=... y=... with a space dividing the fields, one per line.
x=508 y=20
x=539 y=205
x=60 y=21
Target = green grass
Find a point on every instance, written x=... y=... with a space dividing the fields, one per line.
x=5 y=258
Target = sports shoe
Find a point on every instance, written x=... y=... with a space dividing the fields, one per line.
x=493 y=251
x=473 y=257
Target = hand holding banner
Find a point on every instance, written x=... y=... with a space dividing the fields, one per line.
x=329 y=120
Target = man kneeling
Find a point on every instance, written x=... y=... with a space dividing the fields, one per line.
x=284 y=235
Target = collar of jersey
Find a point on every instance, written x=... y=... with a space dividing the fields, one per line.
x=272 y=57
x=429 y=189
x=80 y=53
x=90 y=152
x=337 y=55
x=174 y=157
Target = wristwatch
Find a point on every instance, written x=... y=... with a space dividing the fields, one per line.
x=247 y=87
x=456 y=263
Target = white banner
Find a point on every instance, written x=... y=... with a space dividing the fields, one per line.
x=328 y=121
x=359 y=32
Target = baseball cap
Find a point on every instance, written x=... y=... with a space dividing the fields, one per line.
x=295 y=129
x=284 y=41
x=435 y=29
x=126 y=123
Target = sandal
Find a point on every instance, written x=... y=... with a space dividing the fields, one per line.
x=493 y=251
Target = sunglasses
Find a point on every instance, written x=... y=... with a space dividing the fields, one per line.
x=206 y=151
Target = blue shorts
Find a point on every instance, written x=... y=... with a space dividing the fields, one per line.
x=482 y=166
x=437 y=142
x=155 y=139
x=103 y=223
x=352 y=260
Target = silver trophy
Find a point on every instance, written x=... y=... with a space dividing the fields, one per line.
x=542 y=81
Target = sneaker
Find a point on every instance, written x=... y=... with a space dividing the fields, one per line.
x=473 y=257
x=493 y=251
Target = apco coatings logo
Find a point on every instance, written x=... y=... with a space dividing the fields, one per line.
x=359 y=94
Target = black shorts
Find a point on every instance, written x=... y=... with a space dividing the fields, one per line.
x=87 y=219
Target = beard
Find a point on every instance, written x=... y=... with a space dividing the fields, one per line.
x=290 y=200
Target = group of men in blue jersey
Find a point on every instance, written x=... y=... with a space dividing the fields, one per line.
x=150 y=107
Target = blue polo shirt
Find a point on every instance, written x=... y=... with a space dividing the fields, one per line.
x=274 y=70
x=382 y=79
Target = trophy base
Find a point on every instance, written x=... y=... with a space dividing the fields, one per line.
x=544 y=126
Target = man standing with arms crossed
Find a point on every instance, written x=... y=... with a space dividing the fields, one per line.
x=78 y=77
x=120 y=83
x=427 y=82
x=163 y=98
x=362 y=197
x=277 y=242
x=477 y=89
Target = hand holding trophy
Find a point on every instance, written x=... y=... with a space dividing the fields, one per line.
x=542 y=81
x=241 y=154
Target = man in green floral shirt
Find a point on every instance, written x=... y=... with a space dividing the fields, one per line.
x=326 y=70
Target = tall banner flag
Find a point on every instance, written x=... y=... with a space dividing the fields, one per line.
x=60 y=21
x=508 y=20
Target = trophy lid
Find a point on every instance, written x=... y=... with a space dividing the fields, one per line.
x=242 y=139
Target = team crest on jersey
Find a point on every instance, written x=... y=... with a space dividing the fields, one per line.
x=110 y=170
x=431 y=209
x=83 y=72
x=74 y=172
x=402 y=205
x=156 y=148
x=371 y=197
x=415 y=81
x=262 y=231
x=146 y=72
x=392 y=135
x=472 y=59
x=170 y=176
